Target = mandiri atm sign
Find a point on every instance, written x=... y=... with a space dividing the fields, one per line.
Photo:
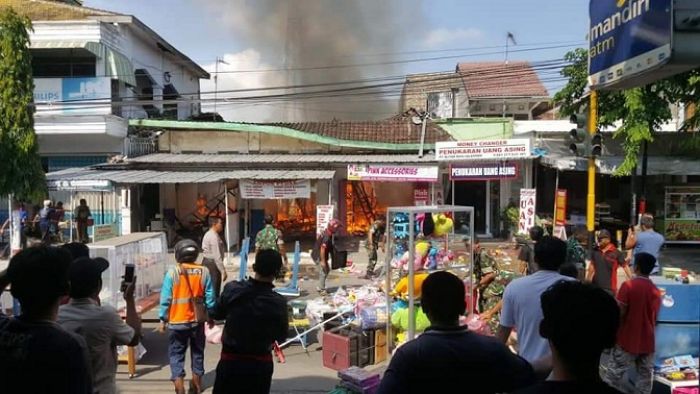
x=636 y=42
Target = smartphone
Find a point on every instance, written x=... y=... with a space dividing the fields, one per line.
x=129 y=273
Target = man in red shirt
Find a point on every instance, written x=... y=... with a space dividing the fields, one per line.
x=639 y=301
x=606 y=259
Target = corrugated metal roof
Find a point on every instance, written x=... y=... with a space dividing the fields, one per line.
x=150 y=176
x=242 y=158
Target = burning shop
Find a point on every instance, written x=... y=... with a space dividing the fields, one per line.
x=371 y=189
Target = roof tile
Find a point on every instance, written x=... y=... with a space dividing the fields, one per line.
x=399 y=129
x=496 y=79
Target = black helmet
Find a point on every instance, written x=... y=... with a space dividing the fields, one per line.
x=186 y=251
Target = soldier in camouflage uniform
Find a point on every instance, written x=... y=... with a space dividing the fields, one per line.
x=490 y=284
x=492 y=297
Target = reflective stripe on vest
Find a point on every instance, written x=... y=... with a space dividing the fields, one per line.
x=181 y=308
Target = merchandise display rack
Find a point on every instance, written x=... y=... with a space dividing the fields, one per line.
x=401 y=239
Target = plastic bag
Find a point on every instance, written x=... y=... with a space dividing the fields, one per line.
x=140 y=351
x=475 y=324
x=213 y=334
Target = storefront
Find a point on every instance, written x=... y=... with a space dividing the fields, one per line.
x=486 y=174
x=291 y=202
x=371 y=188
x=671 y=187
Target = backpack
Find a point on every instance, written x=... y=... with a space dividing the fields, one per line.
x=267 y=239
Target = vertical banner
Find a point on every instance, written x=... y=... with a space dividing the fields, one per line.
x=527 y=210
x=324 y=214
x=16 y=232
x=560 y=214
x=560 y=219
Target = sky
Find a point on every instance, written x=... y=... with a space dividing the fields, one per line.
x=387 y=37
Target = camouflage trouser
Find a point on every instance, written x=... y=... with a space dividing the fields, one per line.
x=620 y=361
x=487 y=304
x=372 y=259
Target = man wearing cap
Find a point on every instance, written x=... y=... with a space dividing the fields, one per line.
x=36 y=354
x=323 y=252
x=185 y=285
x=100 y=325
x=602 y=268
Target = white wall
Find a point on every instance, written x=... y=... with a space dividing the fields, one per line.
x=145 y=54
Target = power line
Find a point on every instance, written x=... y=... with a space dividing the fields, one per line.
x=400 y=80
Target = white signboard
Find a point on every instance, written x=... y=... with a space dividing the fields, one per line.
x=527 y=210
x=324 y=214
x=517 y=148
x=362 y=172
x=275 y=190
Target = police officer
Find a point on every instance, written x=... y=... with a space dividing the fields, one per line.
x=185 y=285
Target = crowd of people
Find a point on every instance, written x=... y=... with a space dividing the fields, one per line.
x=563 y=328
x=46 y=223
x=65 y=341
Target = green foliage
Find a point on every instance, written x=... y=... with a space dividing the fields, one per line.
x=20 y=167
x=510 y=216
x=640 y=110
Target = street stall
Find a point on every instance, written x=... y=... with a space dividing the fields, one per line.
x=147 y=253
x=682 y=214
x=677 y=331
x=422 y=240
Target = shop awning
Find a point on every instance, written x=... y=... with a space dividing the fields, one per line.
x=269 y=158
x=149 y=176
x=117 y=66
x=555 y=154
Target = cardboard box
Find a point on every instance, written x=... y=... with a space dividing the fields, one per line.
x=379 y=345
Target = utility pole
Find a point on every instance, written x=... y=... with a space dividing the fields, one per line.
x=590 y=201
x=216 y=83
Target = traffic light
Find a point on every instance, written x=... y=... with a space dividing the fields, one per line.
x=579 y=137
x=597 y=144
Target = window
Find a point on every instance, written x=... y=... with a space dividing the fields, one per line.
x=170 y=109
x=63 y=63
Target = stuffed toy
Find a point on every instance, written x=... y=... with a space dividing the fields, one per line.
x=421 y=252
x=443 y=224
x=401 y=288
x=431 y=262
x=425 y=224
x=400 y=223
x=399 y=319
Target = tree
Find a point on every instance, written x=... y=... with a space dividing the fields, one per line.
x=640 y=110
x=21 y=173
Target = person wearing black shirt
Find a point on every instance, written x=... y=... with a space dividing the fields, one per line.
x=256 y=317
x=527 y=251
x=576 y=357
x=37 y=356
x=448 y=356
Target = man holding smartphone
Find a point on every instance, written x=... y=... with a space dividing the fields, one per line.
x=100 y=325
x=645 y=241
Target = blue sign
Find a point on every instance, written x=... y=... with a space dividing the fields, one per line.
x=83 y=95
x=627 y=37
